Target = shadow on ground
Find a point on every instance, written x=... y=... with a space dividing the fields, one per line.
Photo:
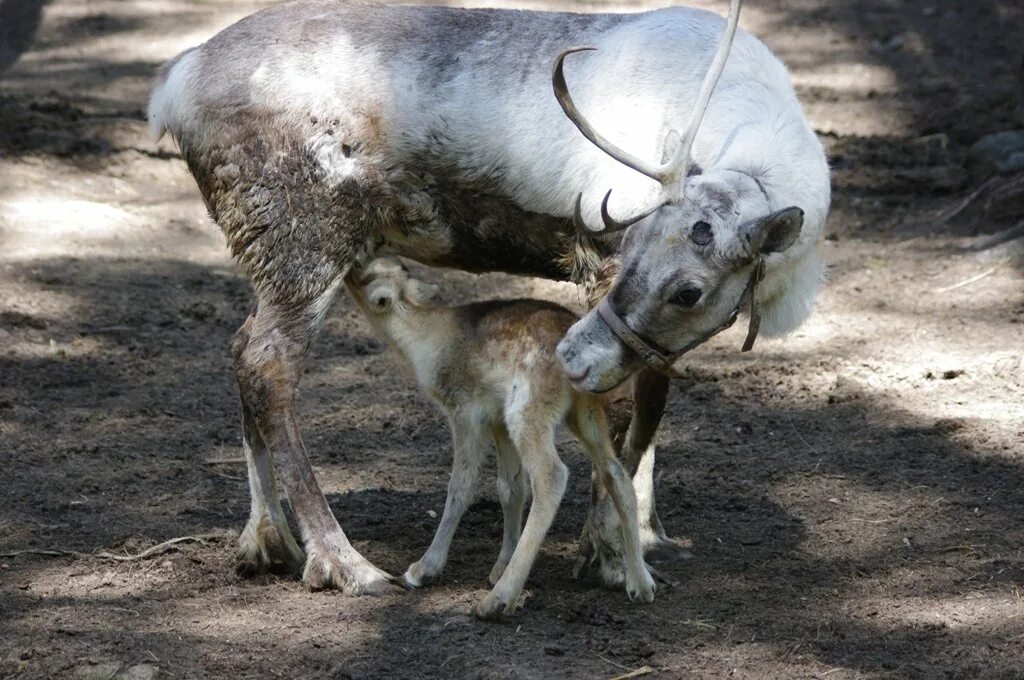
x=841 y=533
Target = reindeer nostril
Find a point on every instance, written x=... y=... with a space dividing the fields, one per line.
x=575 y=376
x=565 y=354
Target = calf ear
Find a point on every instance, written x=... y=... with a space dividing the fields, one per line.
x=773 y=233
x=421 y=293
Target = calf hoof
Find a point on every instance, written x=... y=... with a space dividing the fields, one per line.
x=491 y=608
x=263 y=547
x=420 y=574
x=354 y=575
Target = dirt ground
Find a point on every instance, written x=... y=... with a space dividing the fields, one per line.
x=854 y=495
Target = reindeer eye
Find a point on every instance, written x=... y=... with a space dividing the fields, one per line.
x=687 y=297
x=702 y=233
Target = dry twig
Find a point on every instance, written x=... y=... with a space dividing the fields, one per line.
x=157 y=549
x=966 y=282
x=947 y=215
x=643 y=670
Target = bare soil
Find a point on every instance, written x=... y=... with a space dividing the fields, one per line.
x=854 y=495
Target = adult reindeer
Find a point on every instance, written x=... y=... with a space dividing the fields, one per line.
x=323 y=133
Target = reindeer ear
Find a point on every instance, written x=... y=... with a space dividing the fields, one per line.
x=773 y=233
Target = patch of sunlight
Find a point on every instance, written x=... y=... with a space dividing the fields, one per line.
x=955 y=611
x=867 y=516
x=34 y=226
x=152 y=41
x=852 y=78
x=231 y=617
x=57 y=350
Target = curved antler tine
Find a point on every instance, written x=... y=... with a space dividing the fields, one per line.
x=681 y=163
x=612 y=225
x=573 y=114
x=577 y=217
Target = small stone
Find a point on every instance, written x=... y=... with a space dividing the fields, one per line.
x=554 y=649
x=948 y=425
x=113 y=670
x=142 y=671
x=996 y=153
x=99 y=671
x=845 y=389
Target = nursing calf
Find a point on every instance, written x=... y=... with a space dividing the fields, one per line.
x=492 y=368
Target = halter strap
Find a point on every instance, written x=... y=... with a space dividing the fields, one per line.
x=661 y=361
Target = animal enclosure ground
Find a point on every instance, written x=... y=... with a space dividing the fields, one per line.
x=854 y=495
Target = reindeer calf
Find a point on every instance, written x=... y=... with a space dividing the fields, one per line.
x=491 y=367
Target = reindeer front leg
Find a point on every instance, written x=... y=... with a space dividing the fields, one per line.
x=599 y=545
x=650 y=393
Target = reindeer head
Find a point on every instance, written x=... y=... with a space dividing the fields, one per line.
x=692 y=261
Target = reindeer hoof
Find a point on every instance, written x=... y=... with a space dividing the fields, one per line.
x=491 y=608
x=263 y=548
x=355 y=576
x=643 y=590
x=663 y=549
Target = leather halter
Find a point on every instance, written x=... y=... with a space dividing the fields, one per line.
x=661 y=361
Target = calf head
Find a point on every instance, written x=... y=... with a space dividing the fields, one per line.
x=384 y=289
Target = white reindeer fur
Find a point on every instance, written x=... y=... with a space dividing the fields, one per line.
x=510 y=120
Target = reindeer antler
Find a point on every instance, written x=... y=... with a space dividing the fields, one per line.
x=668 y=173
x=655 y=172
x=681 y=163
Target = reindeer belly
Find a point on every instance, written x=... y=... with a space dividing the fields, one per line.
x=447 y=225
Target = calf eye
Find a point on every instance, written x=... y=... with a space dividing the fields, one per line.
x=702 y=233
x=687 y=297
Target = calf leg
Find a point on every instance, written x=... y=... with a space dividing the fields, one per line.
x=591 y=428
x=270 y=350
x=548 y=477
x=467 y=460
x=512 y=494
